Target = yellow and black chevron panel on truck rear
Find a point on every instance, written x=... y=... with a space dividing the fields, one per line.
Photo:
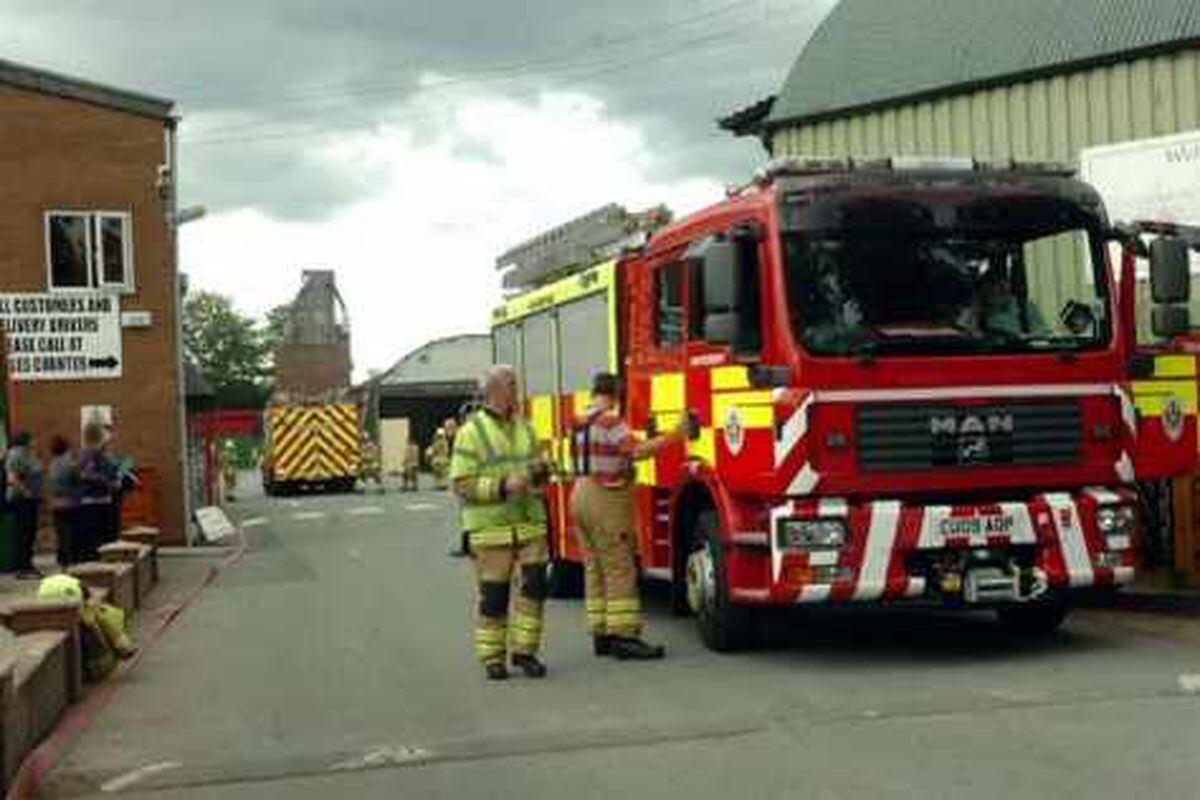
x=313 y=444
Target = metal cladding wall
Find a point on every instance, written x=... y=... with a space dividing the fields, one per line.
x=1048 y=119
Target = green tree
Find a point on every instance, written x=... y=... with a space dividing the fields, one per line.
x=229 y=349
x=273 y=329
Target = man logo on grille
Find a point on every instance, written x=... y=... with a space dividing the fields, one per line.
x=972 y=436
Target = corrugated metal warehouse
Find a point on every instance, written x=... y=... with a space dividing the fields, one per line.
x=432 y=382
x=1032 y=80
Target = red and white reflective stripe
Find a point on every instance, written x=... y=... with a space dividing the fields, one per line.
x=877 y=554
x=792 y=432
x=805 y=482
x=814 y=594
x=1104 y=497
x=899 y=582
x=778 y=513
x=1128 y=411
x=1064 y=514
x=833 y=507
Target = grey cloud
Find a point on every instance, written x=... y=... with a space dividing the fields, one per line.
x=669 y=66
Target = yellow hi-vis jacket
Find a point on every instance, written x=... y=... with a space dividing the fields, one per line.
x=486 y=450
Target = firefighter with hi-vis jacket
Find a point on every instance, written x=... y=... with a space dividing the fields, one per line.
x=501 y=481
x=602 y=505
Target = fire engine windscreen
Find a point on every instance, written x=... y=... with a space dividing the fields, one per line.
x=878 y=274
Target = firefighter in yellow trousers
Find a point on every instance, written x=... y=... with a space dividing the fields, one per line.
x=602 y=505
x=438 y=454
x=499 y=480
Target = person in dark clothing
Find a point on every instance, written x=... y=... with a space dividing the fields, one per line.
x=24 y=493
x=63 y=482
x=124 y=480
x=98 y=478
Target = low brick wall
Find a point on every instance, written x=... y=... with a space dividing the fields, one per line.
x=119 y=579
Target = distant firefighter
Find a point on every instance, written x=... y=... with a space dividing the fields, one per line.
x=438 y=455
x=412 y=466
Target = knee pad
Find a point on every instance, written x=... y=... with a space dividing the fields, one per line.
x=534 y=583
x=493 y=599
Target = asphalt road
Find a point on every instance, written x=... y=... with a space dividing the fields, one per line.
x=335 y=661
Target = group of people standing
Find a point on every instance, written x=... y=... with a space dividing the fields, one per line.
x=499 y=477
x=83 y=490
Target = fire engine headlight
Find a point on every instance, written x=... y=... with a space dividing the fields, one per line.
x=1116 y=520
x=811 y=534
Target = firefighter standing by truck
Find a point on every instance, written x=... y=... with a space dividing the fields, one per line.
x=602 y=504
x=439 y=457
x=499 y=481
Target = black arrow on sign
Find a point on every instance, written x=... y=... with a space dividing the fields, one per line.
x=103 y=363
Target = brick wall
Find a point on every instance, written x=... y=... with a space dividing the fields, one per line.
x=59 y=153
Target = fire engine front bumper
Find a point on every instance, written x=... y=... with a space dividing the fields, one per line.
x=838 y=551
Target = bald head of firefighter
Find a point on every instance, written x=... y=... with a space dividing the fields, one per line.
x=500 y=390
x=602 y=506
x=504 y=515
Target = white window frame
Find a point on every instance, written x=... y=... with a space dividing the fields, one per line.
x=126 y=219
x=95 y=249
x=49 y=215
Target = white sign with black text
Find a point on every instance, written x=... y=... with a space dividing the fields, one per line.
x=62 y=336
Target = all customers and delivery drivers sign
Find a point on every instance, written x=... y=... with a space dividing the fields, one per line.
x=61 y=336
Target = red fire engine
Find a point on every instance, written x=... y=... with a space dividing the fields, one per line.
x=914 y=382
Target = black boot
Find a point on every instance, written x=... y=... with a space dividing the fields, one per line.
x=530 y=665
x=602 y=644
x=496 y=671
x=636 y=650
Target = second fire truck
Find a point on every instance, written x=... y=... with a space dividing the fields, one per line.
x=914 y=382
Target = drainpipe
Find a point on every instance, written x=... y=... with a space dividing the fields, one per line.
x=170 y=144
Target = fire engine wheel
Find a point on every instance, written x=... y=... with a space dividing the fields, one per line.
x=1035 y=619
x=724 y=627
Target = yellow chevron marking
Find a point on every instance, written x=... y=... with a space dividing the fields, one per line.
x=316 y=442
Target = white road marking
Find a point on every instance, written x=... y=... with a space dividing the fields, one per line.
x=421 y=507
x=382 y=757
x=1189 y=684
x=124 y=781
x=365 y=511
x=301 y=516
x=254 y=522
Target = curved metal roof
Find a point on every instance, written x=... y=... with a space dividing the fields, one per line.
x=882 y=52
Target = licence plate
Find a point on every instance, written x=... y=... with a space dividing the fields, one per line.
x=984 y=525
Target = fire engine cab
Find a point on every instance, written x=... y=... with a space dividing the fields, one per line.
x=915 y=382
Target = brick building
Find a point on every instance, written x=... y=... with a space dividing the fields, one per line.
x=89 y=288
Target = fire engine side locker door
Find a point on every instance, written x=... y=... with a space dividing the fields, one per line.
x=662 y=374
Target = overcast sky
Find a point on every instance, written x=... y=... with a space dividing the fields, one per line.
x=406 y=143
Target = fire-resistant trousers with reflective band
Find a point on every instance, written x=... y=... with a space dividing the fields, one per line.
x=498 y=569
x=604 y=518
